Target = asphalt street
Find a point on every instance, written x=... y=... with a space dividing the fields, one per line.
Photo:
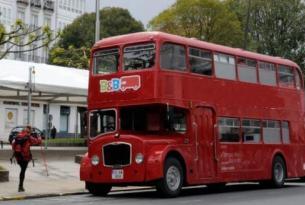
x=241 y=194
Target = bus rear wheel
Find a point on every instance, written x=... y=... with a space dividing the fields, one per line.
x=278 y=172
x=171 y=183
x=98 y=189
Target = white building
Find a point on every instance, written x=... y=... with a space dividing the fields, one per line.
x=59 y=92
x=54 y=13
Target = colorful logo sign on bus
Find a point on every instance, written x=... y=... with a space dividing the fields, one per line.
x=132 y=82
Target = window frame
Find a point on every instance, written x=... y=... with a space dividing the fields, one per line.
x=260 y=130
x=281 y=85
x=256 y=69
x=218 y=131
x=275 y=73
x=214 y=53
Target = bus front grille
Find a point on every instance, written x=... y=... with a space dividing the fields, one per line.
x=117 y=155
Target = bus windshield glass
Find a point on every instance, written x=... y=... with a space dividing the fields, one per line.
x=101 y=122
x=153 y=119
x=106 y=61
x=138 y=57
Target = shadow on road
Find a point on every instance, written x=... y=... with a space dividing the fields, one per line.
x=200 y=190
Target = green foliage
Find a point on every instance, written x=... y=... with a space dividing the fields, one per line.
x=276 y=27
x=208 y=20
x=24 y=36
x=80 y=35
x=71 y=57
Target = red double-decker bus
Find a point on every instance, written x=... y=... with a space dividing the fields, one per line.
x=171 y=111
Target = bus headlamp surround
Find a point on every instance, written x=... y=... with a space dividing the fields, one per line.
x=139 y=158
x=95 y=160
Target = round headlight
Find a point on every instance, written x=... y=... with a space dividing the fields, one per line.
x=139 y=158
x=95 y=160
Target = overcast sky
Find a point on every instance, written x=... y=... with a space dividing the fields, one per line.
x=143 y=10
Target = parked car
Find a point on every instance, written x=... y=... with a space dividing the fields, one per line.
x=16 y=130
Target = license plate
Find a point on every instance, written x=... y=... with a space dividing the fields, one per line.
x=118 y=174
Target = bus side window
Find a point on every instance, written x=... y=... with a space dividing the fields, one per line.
x=200 y=61
x=247 y=70
x=285 y=132
x=225 y=66
x=173 y=57
x=229 y=129
x=251 y=131
x=271 y=132
x=298 y=80
x=267 y=73
x=285 y=76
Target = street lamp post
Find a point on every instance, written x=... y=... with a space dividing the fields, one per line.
x=97 y=21
x=30 y=87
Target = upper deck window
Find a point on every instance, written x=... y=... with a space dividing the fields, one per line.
x=139 y=56
x=225 y=66
x=247 y=70
x=286 y=77
x=173 y=57
x=267 y=74
x=200 y=61
x=106 y=61
x=297 y=79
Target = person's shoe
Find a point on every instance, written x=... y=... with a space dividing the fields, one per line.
x=21 y=189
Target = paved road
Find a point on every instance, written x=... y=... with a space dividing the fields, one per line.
x=242 y=194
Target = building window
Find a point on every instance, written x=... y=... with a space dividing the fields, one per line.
x=229 y=129
x=200 y=61
x=34 y=20
x=225 y=66
x=271 y=132
x=286 y=77
x=64 y=118
x=247 y=70
x=267 y=73
x=251 y=131
x=173 y=57
x=285 y=132
x=47 y=21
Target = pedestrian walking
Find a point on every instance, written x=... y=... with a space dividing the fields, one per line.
x=22 y=152
x=53 y=132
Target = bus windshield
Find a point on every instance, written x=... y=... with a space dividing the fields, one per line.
x=106 y=61
x=102 y=122
x=139 y=56
x=153 y=119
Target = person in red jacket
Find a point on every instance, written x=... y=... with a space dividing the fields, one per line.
x=21 y=147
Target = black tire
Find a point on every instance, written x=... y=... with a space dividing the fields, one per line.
x=173 y=177
x=216 y=187
x=278 y=172
x=98 y=189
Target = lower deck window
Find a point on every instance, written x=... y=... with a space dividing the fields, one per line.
x=251 y=131
x=229 y=129
x=271 y=132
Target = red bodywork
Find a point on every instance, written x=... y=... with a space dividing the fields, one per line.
x=205 y=159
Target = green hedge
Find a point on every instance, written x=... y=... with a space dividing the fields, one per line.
x=66 y=142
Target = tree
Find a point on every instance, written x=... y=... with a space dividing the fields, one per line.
x=208 y=20
x=23 y=37
x=276 y=27
x=80 y=35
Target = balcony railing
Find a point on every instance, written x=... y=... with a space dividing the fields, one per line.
x=25 y=2
x=36 y=3
x=48 y=5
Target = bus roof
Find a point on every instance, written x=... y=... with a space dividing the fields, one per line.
x=155 y=35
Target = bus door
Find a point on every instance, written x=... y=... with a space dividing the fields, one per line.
x=203 y=126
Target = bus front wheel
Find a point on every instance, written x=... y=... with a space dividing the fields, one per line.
x=278 y=172
x=98 y=189
x=171 y=183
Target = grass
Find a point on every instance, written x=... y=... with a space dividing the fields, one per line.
x=66 y=141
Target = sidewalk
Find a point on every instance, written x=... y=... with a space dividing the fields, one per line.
x=63 y=176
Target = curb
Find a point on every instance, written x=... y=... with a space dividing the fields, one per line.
x=37 y=196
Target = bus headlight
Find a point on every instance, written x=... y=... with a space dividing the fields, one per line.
x=95 y=160
x=139 y=158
